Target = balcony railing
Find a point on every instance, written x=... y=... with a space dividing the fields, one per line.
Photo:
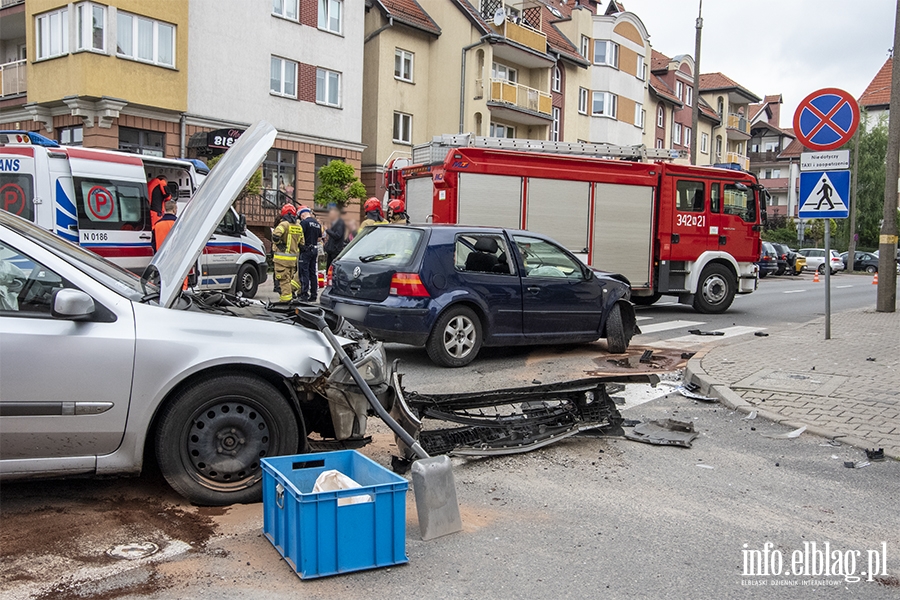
x=5 y=3
x=738 y=122
x=738 y=159
x=12 y=79
x=524 y=35
x=522 y=96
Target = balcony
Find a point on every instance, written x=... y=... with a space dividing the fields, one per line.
x=523 y=35
x=6 y=3
x=737 y=159
x=519 y=103
x=737 y=127
x=12 y=79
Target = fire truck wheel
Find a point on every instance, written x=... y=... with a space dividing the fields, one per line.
x=456 y=337
x=716 y=290
x=645 y=300
x=617 y=338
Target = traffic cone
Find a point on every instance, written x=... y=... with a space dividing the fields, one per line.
x=816 y=277
x=875 y=279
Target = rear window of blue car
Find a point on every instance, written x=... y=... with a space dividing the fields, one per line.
x=391 y=245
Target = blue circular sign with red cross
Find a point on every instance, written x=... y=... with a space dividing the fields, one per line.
x=826 y=119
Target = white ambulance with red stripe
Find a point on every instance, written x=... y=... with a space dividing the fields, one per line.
x=98 y=199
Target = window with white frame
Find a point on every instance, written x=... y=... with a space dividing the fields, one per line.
x=643 y=120
x=145 y=40
x=639 y=114
x=402 y=128
x=586 y=47
x=403 y=65
x=328 y=87
x=287 y=9
x=659 y=143
x=641 y=69
x=582 y=100
x=676 y=134
x=501 y=71
x=704 y=143
x=91 y=28
x=606 y=53
x=330 y=15
x=283 y=77
x=52 y=33
x=689 y=96
x=718 y=146
x=660 y=116
x=776 y=173
x=556 y=83
x=502 y=131
x=604 y=104
x=71 y=136
x=679 y=90
x=688 y=134
x=554 y=126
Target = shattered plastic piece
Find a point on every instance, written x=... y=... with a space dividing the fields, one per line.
x=786 y=436
x=620 y=400
x=647 y=356
x=833 y=443
x=761 y=334
x=698 y=332
x=536 y=381
x=688 y=354
x=134 y=551
x=876 y=455
x=706 y=466
x=751 y=416
x=630 y=423
x=856 y=465
x=687 y=393
x=668 y=432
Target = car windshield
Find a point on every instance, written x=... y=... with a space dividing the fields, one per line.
x=112 y=276
x=389 y=245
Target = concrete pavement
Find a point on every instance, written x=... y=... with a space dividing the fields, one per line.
x=847 y=388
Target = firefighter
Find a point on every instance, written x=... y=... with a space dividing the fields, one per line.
x=158 y=191
x=374 y=216
x=164 y=225
x=309 y=256
x=397 y=212
x=287 y=238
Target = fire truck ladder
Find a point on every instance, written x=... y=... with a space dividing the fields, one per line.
x=436 y=150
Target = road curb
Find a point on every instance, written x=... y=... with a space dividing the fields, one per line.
x=712 y=387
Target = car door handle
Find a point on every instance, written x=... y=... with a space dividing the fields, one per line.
x=144 y=236
x=533 y=289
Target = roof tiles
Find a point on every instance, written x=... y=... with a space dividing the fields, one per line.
x=410 y=12
x=879 y=91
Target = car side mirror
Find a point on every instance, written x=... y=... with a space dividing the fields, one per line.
x=242 y=224
x=71 y=304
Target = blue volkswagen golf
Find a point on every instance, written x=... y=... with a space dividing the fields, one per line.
x=454 y=289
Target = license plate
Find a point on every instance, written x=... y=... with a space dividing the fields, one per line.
x=350 y=311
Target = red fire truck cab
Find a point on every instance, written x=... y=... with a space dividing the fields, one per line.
x=690 y=232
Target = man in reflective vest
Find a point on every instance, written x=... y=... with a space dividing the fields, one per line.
x=287 y=238
x=163 y=227
x=374 y=216
x=158 y=191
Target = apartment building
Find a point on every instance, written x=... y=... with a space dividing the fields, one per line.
x=775 y=170
x=492 y=68
x=186 y=78
x=731 y=101
x=619 y=50
x=670 y=99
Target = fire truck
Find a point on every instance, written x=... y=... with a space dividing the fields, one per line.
x=684 y=231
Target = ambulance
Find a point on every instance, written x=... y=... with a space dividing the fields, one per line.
x=98 y=199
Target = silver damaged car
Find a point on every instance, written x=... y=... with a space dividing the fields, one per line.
x=98 y=365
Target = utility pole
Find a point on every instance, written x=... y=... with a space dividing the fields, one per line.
x=695 y=101
x=854 y=197
x=887 y=247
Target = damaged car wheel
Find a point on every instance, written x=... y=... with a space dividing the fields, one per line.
x=618 y=335
x=212 y=435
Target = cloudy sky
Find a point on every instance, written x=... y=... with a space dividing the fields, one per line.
x=792 y=47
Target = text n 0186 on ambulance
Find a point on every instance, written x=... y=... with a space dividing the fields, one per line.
x=98 y=199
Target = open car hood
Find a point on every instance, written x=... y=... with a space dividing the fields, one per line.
x=199 y=220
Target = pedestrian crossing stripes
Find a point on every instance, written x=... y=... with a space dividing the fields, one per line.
x=688 y=341
x=667 y=325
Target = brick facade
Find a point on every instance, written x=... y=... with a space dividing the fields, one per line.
x=306 y=83
x=309 y=12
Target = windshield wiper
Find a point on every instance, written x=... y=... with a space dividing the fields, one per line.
x=374 y=257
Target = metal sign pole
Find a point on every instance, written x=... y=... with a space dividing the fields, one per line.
x=827 y=265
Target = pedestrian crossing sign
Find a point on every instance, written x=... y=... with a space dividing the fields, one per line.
x=824 y=195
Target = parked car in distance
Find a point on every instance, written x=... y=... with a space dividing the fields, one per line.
x=785 y=258
x=454 y=289
x=768 y=260
x=799 y=262
x=815 y=259
x=864 y=261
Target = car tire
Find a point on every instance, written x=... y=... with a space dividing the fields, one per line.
x=645 y=300
x=211 y=436
x=821 y=269
x=871 y=270
x=456 y=337
x=780 y=271
x=716 y=289
x=763 y=274
x=617 y=339
x=247 y=281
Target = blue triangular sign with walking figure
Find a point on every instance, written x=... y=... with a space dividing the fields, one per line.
x=824 y=195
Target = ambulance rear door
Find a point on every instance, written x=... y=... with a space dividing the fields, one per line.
x=18 y=185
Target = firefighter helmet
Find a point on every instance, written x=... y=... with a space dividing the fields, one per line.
x=397 y=205
x=372 y=204
x=288 y=209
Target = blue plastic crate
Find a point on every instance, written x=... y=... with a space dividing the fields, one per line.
x=319 y=538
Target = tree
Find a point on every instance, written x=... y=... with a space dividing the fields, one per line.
x=338 y=183
x=254 y=184
x=781 y=231
x=871 y=177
